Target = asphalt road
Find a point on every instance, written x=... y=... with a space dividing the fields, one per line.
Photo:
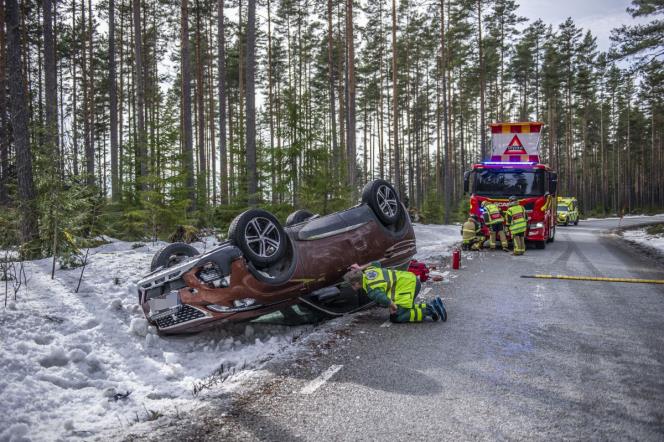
x=518 y=359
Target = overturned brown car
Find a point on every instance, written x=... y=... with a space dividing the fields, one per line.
x=264 y=267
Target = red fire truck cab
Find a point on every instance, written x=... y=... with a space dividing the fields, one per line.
x=515 y=170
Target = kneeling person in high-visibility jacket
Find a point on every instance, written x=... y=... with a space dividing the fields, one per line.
x=471 y=233
x=517 y=220
x=397 y=290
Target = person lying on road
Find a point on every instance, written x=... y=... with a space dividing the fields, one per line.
x=397 y=290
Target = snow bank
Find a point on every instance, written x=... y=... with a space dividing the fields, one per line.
x=641 y=237
x=435 y=241
x=85 y=365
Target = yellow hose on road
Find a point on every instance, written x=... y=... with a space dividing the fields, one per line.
x=595 y=278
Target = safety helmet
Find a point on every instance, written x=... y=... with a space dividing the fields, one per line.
x=513 y=198
x=484 y=203
x=513 y=201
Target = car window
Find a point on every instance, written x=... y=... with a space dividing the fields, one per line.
x=562 y=208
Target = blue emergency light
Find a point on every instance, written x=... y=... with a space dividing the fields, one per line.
x=509 y=163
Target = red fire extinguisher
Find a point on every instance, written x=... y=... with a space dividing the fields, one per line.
x=456 y=258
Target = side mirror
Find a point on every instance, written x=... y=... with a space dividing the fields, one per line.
x=466 y=184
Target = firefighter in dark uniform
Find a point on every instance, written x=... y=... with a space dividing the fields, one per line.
x=471 y=232
x=494 y=219
x=397 y=290
x=517 y=220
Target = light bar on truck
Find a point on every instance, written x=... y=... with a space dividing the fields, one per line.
x=508 y=163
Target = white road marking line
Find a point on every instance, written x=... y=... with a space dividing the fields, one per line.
x=320 y=380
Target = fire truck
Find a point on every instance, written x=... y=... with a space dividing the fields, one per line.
x=515 y=170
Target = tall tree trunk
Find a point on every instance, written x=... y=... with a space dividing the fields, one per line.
x=252 y=181
x=200 y=120
x=275 y=164
x=51 y=87
x=221 y=63
x=395 y=107
x=19 y=120
x=74 y=99
x=333 y=113
x=188 y=150
x=483 y=152
x=139 y=81
x=113 y=98
x=350 y=64
x=4 y=133
x=90 y=144
x=446 y=136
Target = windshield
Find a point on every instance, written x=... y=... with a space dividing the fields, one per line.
x=507 y=183
x=562 y=209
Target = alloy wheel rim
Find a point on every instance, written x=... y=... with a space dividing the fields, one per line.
x=262 y=237
x=387 y=201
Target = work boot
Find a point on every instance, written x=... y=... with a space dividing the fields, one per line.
x=506 y=249
x=431 y=311
x=440 y=308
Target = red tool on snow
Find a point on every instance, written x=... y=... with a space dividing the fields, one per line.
x=420 y=269
x=456 y=258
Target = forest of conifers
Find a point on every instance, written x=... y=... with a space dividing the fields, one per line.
x=130 y=117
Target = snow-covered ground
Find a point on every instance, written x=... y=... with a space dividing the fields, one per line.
x=86 y=365
x=641 y=237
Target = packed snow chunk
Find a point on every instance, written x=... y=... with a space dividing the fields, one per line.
x=139 y=327
x=15 y=433
x=57 y=358
x=77 y=355
x=109 y=392
x=116 y=304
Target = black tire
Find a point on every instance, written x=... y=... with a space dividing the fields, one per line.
x=171 y=255
x=383 y=200
x=247 y=230
x=576 y=223
x=298 y=216
x=553 y=236
x=540 y=245
x=566 y=223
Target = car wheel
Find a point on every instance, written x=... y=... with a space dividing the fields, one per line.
x=566 y=223
x=298 y=216
x=259 y=235
x=171 y=255
x=383 y=200
x=576 y=223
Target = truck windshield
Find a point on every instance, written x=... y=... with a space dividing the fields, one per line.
x=505 y=183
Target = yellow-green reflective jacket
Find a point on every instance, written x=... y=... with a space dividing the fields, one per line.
x=385 y=285
x=470 y=230
x=517 y=219
x=494 y=216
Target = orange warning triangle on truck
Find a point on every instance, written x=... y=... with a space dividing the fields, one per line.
x=515 y=147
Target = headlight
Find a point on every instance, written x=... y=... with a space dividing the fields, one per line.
x=245 y=302
x=238 y=305
x=537 y=225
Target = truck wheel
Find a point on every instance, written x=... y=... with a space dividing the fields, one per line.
x=552 y=238
x=259 y=235
x=298 y=216
x=171 y=255
x=383 y=200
